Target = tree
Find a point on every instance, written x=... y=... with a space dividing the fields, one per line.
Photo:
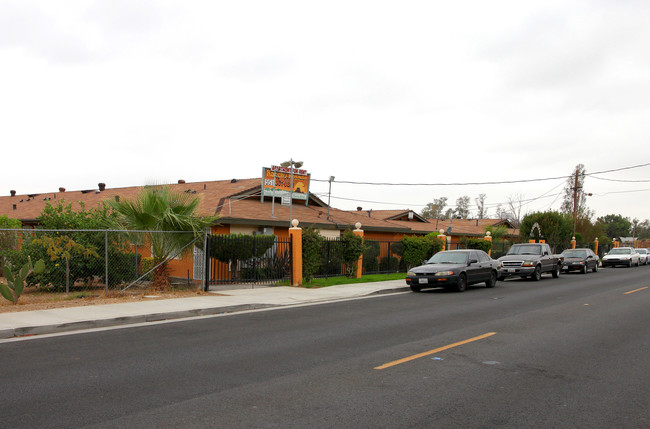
x=352 y=248
x=556 y=228
x=435 y=210
x=514 y=206
x=615 y=225
x=163 y=213
x=481 y=211
x=462 y=207
x=575 y=199
x=643 y=230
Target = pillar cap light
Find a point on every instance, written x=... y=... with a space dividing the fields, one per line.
x=357 y=226
x=488 y=233
x=295 y=223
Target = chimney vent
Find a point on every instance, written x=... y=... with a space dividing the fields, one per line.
x=13 y=193
x=61 y=189
x=359 y=208
x=181 y=181
x=102 y=186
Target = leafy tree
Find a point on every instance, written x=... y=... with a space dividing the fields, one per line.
x=615 y=225
x=643 y=229
x=352 y=248
x=436 y=209
x=156 y=210
x=462 y=207
x=556 y=228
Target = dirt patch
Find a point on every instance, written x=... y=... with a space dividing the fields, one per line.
x=34 y=299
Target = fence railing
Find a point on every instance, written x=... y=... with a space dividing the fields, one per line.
x=253 y=259
x=101 y=260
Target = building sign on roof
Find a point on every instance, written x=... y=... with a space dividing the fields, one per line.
x=276 y=182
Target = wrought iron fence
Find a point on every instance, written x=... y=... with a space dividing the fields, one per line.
x=102 y=260
x=383 y=257
x=252 y=259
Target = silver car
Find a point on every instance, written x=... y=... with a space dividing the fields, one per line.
x=644 y=256
x=626 y=256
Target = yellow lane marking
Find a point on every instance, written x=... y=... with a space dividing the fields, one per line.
x=635 y=290
x=430 y=352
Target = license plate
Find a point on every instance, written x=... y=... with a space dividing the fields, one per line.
x=423 y=281
x=512 y=270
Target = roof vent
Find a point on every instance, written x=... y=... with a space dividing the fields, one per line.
x=359 y=208
x=13 y=193
x=61 y=189
x=233 y=181
x=101 y=186
x=181 y=181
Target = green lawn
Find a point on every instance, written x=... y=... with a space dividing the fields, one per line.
x=342 y=280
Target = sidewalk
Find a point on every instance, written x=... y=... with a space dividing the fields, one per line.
x=228 y=301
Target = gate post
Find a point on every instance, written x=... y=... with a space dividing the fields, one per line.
x=359 y=233
x=296 y=253
x=206 y=263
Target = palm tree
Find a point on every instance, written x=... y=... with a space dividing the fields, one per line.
x=163 y=215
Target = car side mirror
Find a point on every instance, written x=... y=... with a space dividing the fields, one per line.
x=472 y=261
x=424 y=262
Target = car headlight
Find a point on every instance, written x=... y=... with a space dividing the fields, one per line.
x=528 y=264
x=444 y=273
x=410 y=274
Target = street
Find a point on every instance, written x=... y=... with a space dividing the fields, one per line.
x=567 y=352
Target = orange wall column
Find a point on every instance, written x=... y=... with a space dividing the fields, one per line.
x=488 y=237
x=443 y=237
x=359 y=233
x=573 y=242
x=296 y=253
x=596 y=246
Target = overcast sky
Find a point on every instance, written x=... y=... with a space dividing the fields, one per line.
x=135 y=92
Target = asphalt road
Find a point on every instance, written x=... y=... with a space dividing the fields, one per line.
x=569 y=352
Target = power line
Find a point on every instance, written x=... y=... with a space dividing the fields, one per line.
x=502 y=182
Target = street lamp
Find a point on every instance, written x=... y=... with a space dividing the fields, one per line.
x=291 y=164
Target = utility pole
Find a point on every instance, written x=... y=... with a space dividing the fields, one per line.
x=575 y=202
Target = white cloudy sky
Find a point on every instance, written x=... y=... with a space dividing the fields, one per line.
x=133 y=92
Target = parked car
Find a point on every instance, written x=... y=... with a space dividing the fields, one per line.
x=582 y=260
x=529 y=259
x=621 y=256
x=454 y=269
x=644 y=256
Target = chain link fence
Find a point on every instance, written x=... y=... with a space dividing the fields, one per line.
x=102 y=260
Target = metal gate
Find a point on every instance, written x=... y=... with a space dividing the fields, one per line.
x=248 y=259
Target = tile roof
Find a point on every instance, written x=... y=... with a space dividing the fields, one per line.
x=238 y=202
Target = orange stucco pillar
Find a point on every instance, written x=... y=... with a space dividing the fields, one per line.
x=573 y=242
x=488 y=237
x=296 y=253
x=596 y=246
x=443 y=237
x=359 y=233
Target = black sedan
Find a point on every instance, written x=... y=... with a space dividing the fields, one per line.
x=454 y=269
x=581 y=260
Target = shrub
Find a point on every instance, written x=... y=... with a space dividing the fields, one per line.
x=476 y=243
x=352 y=248
x=312 y=246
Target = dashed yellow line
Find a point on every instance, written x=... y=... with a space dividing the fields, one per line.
x=430 y=352
x=635 y=290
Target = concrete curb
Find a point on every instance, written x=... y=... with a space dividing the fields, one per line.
x=7 y=333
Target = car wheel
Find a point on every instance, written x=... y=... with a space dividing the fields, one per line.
x=461 y=285
x=416 y=288
x=556 y=272
x=583 y=269
x=637 y=263
x=595 y=268
x=492 y=281
x=537 y=274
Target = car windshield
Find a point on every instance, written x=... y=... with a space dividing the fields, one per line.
x=575 y=253
x=525 y=250
x=448 y=258
x=642 y=251
x=620 y=252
